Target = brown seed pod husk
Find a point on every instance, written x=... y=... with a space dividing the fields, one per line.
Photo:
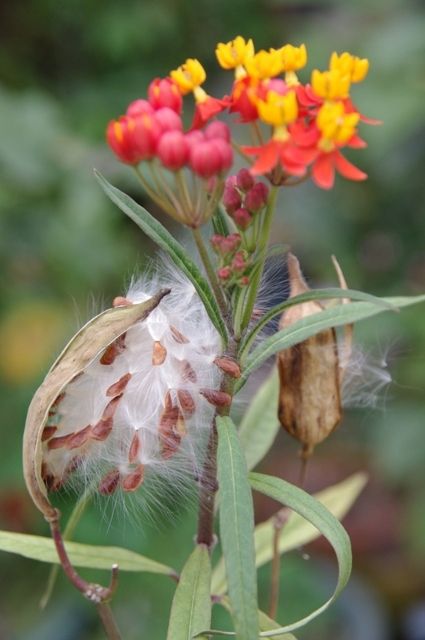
x=83 y=348
x=309 y=400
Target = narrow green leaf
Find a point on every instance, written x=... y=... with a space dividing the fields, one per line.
x=313 y=511
x=81 y=555
x=266 y=623
x=237 y=531
x=220 y=221
x=297 y=531
x=191 y=608
x=163 y=238
x=314 y=294
x=260 y=424
x=309 y=326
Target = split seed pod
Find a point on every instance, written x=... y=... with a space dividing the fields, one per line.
x=101 y=334
x=310 y=373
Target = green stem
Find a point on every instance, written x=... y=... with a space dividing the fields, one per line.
x=208 y=478
x=203 y=252
x=164 y=187
x=164 y=204
x=184 y=191
x=262 y=246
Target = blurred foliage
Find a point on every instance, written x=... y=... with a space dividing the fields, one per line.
x=66 y=68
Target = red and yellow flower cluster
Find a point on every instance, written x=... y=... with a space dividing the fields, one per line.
x=303 y=126
x=309 y=124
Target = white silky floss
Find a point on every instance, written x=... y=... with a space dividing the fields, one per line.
x=139 y=407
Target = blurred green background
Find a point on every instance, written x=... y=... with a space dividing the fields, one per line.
x=66 y=68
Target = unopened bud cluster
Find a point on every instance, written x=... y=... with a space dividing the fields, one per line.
x=153 y=128
x=234 y=262
x=151 y=138
x=244 y=199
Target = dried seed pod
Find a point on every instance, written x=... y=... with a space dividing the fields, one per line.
x=309 y=400
x=96 y=336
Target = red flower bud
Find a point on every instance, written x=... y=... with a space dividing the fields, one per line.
x=163 y=92
x=173 y=150
x=224 y=273
x=137 y=107
x=120 y=139
x=242 y=218
x=217 y=129
x=243 y=281
x=145 y=135
x=226 y=153
x=231 y=199
x=168 y=119
x=194 y=137
x=244 y=180
x=206 y=158
x=256 y=198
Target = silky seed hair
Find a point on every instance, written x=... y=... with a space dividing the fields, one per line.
x=141 y=411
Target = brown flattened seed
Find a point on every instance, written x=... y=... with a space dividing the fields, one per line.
x=118 y=387
x=109 y=482
x=159 y=353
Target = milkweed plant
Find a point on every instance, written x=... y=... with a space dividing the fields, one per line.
x=142 y=395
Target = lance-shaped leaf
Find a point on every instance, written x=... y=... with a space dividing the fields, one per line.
x=266 y=623
x=307 y=327
x=297 y=531
x=163 y=238
x=331 y=293
x=191 y=608
x=313 y=511
x=81 y=555
x=237 y=530
x=260 y=424
x=82 y=349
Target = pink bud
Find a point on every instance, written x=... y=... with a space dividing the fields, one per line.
x=231 y=199
x=217 y=129
x=256 y=198
x=278 y=86
x=216 y=242
x=244 y=180
x=232 y=242
x=238 y=262
x=206 y=158
x=137 y=107
x=230 y=181
x=243 y=281
x=224 y=273
x=168 y=119
x=163 y=92
x=242 y=218
x=173 y=150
